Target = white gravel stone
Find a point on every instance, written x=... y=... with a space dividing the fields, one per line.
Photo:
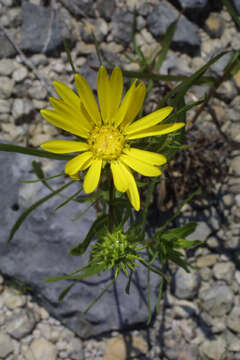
x=5 y=106
x=6 y=88
x=6 y=345
x=20 y=74
x=43 y=349
x=6 y=67
x=214 y=349
x=13 y=298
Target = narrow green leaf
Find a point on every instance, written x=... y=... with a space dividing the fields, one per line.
x=166 y=44
x=68 y=199
x=92 y=269
x=127 y=289
x=65 y=292
x=33 y=152
x=208 y=80
x=42 y=179
x=96 y=226
x=231 y=11
x=69 y=54
x=149 y=299
x=38 y=171
x=24 y=215
x=180 y=232
x=83 y=212
x=185 y=244
x=99 y=296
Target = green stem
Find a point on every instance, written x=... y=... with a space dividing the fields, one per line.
x=111 y=199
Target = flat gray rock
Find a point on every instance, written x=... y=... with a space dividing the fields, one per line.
x=40 y=249
x=42 y=30
x=186 y=37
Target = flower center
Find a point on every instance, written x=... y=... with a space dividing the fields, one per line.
x=106 y=142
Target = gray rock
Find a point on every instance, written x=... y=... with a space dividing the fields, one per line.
x=98 y=27
x=5 y=106
x=36 y=33
x=43 y=349
x=233 y=342
x=6 y=67
x=122 y=22
x=106 y=8
x=224 y=271
x=75 y=349
x=22 y=110
x=236 y=4
x=185 y=285
x=13 y=298
x=20 y=74
x=213 y=349
x=235 y=166
x=218 y=300
x=193 y=4
x=186 y=37
x=37 y=91
x=6 y=345
x=21 y=324
x=6 y=88
x=233 y=320
x=79 y=8
x=40 y=249
x=214 y=25
x=6 y=48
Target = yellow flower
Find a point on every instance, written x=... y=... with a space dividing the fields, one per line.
x=107 y=130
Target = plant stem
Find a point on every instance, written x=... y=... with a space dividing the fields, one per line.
x=111 y=199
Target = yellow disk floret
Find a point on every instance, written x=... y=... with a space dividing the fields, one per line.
x=106 y=142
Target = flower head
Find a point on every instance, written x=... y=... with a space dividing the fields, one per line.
x=107 y=130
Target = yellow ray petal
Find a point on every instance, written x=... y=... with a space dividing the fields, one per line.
x=88 y=98
x=92 y=177
x=67 y=94
x=122 y=111
x=104 y=94
x=132 y=192
x=78 y=117
x=135 y=106
x=64 y=122
x=149 y=120
x=140 y=166
x=116 y=86
x=120 y=178
x=76 y=164
x=156 y=130
x=64 y=146
x=146 y=156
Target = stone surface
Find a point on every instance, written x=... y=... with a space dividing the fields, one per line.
x=79 y=8
x=214 y=25
x=186 y=36
x=21 y=324
x=6 y=345
x=218 y=300
x=36 y=34
x=13 y=298
x=6 y=67
x=6 y=48
x=224 y=271
x=185 y=285
x=43 y=349
x=233 y=320
x=122 y=27
x=6 y=88
x=208 y=260
x=45 y=239
x=22 y=110
x=213 y=350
